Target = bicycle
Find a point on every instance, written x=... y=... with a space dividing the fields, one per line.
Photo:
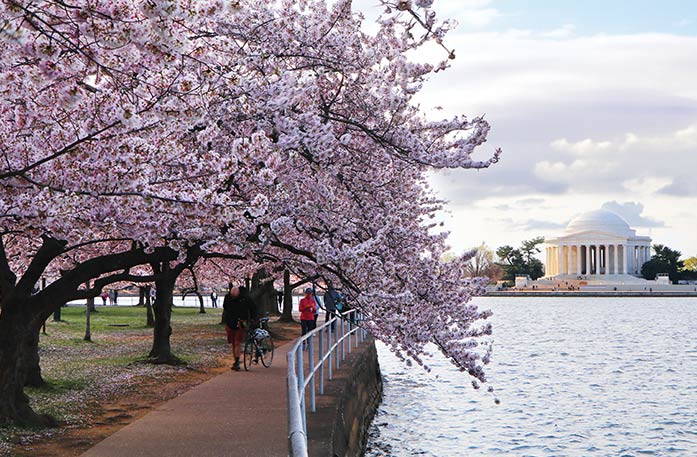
x=259 y=346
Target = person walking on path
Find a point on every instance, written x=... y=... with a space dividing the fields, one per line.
x=111 y=296
x=331 y=300
x=238 y=309
x=116 y=297
x=214 y=299
x=308 y=308
x=104 y=296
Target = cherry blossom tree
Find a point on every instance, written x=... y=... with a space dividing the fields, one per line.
x=280 y=135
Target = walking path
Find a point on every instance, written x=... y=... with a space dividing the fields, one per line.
x=234 y=414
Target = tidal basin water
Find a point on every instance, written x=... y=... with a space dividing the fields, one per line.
x=575 y=376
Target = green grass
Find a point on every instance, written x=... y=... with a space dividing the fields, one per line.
x=123 y=319
x=58 y=386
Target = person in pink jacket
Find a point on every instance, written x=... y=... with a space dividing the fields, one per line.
x=308 y=307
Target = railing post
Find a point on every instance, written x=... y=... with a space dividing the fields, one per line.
x=310 y=370
x=336 y=335
x=320 y=346
x=301 y=389
x=329 y=350
x=349 y=336
x=297 y=439
x=343 y=340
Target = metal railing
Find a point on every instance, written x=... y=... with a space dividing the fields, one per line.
x=333 y=340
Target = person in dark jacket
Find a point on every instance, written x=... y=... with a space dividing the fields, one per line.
x=331 y=300
x=238 y=310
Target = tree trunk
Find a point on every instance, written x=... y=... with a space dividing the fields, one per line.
x=18 y=343
x=90 y=304
x=148 y=307
x=287 y=315
x=264 y=294
x=161 y=351
x=57 y=314
x=31 y=361
x=201 y=310
x=88 y=323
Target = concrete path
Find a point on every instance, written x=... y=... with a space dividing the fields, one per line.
x=234 y=414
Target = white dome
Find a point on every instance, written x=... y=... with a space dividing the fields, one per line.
x=599 y=220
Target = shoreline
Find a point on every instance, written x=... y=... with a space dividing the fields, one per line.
x=594 y=293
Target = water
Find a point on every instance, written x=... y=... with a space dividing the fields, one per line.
x=575 y=376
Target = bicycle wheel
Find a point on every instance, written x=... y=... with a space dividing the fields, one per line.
x=266 y=347
x=249 y=351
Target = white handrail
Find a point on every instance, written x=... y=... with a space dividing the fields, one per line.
x=301 y=374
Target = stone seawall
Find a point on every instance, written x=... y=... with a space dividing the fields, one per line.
x=339 y=428
x=609 y=293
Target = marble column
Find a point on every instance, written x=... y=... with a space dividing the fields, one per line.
x=624 y=259
x=551 y=261
x=615 y=248
x=630 y=255
x=578 y=260
x=560 y=259
x=607 y=259
x=588 y=259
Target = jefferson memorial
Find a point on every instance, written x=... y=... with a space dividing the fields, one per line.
x=597 y=246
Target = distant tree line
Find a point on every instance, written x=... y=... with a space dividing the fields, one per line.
x=511 y=261
x=521 y=261
x=667 y=260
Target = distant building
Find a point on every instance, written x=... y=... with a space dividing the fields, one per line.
x=597 y=245
x=522 y=281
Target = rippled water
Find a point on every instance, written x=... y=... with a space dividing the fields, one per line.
x=575 y=376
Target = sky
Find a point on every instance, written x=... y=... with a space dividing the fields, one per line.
x=594 y=104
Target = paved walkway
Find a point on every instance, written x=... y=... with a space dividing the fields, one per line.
x=234 y=414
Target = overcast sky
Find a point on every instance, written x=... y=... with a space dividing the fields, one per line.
x=594 y=104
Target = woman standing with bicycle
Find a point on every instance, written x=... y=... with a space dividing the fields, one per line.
x=238 y=309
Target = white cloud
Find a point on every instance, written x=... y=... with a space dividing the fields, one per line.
x=583 y=147
x=632 y=213
x=577 y=171
x=647 y=185
x=523 y=68
x=565 y=31
x=639 y=164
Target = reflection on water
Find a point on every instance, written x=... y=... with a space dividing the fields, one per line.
x=575 y=376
